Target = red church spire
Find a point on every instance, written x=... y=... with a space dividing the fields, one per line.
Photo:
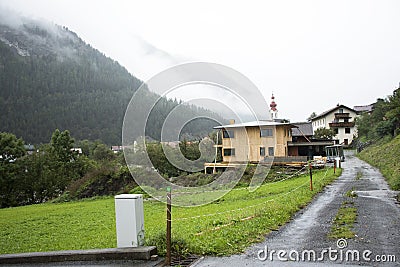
x=273 y=104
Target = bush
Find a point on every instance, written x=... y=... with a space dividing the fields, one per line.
x=104 y=181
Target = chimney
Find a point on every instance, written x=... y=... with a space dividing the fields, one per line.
x=231 y=121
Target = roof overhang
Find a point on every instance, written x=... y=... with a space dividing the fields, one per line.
x=320 y=143
x=255 y=124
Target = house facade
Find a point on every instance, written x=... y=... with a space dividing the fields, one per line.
x=255 y=141
x=341 y=119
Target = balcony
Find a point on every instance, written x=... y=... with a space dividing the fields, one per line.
x=341 y=124
x=342 y=115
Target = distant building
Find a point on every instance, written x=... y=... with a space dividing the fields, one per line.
x=78 y=150
x=133 y=148
x=341 y=119
x=173 y=144
x=30 y=149
x=116 y=149
x=364 y=109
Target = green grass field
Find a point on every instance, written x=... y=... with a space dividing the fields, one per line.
x=224 y=227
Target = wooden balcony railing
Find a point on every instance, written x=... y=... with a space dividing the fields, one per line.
x=341 y=124
x=342 y=115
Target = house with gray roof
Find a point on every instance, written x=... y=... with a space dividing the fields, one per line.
x=341 y=119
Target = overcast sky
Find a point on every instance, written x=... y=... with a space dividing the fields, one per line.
x=311 y=54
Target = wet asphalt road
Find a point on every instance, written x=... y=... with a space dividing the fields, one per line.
x=377 y=227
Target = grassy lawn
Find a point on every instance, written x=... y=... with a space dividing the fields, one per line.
x=223 y=227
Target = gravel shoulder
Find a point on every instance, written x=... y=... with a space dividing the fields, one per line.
x=377 y=227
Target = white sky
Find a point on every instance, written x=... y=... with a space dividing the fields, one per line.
x=311 y=54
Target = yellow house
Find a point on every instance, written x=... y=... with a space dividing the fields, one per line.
x=255 y=141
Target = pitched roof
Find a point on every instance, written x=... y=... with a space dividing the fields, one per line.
x=331 y=110
x=302 y=128
x=253 y=123
x=365 y=108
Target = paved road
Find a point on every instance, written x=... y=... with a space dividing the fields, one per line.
x=377 y=226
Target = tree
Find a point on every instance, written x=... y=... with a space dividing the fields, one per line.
x=312 y=116
x=324 y=133
x=190 y=150
x=384 y=128
x=160 y=161
x=103 y=153
x=383 y=121
x=11 y=149
x=364 y=125
x=62 y=144
x=393 y=114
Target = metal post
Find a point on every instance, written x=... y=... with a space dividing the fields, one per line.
x=168 y=256
x=334 y=166
x=311 y=185
x=216 y=153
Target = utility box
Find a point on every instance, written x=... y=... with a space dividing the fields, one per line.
x=129 y=220
x=338 y=162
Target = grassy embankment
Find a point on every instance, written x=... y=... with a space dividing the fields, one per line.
x=235 y=221
x=386 y=158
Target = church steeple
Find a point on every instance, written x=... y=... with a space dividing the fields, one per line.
x=273 y=111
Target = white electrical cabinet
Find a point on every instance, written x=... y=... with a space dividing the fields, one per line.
x=129 y=220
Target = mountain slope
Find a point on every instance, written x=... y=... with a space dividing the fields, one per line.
x=50 y=78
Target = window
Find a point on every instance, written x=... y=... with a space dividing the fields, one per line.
x=228 y=134
x=262 y=151
x=347 y=130
x=346 y=120
x=266 y=132
x=336 y=130
x=270 y=151
x=340 y=110
x=346 y=142
x=229 y=152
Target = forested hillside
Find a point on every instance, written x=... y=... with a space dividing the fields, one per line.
x=50 y=79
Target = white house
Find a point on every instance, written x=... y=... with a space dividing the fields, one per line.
x=341 y=119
